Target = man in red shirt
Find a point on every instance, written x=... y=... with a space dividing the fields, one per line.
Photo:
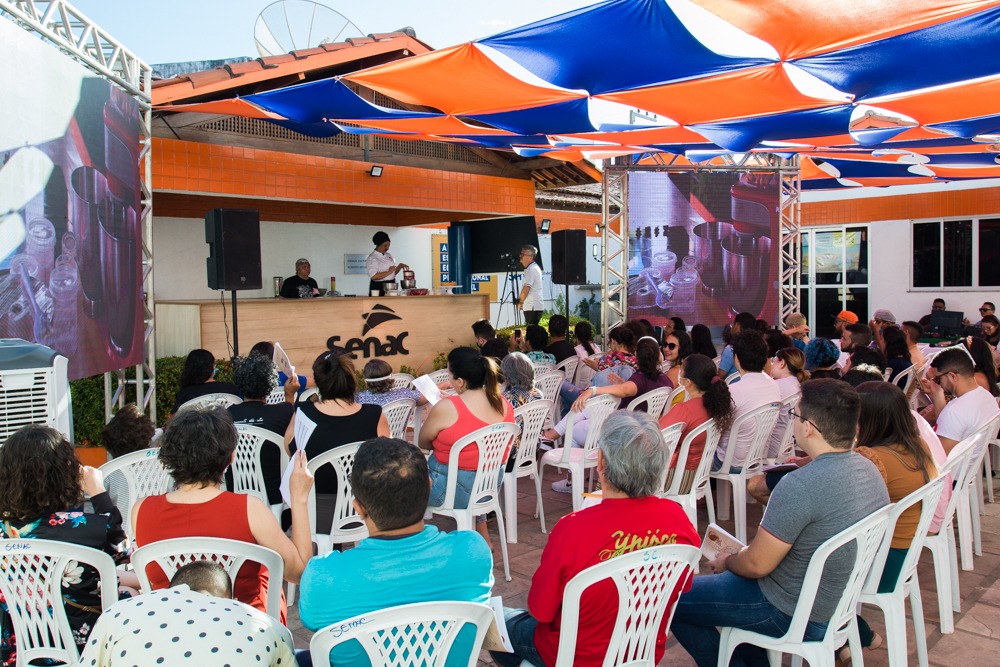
x=631 y=463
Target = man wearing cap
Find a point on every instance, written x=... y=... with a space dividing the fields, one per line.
x=842 y=319
x=299 y=286
x=381 y=266
x=880 y=320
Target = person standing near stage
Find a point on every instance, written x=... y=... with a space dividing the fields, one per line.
x=530 y=300
x=300 y=286
x=382 y=268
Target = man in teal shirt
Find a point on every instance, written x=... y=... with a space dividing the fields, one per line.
x=402 y=561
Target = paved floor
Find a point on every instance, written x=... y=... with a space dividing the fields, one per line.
x=976 y=639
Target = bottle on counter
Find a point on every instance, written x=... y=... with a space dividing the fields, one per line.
x=333 y=283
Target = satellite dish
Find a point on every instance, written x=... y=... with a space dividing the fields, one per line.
x=289 y=25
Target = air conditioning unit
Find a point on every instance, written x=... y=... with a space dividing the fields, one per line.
x=34 y=388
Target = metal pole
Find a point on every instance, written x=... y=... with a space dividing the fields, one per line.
x=236 y=329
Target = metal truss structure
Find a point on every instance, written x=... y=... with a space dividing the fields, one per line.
x=69 y=30
x=614 y=273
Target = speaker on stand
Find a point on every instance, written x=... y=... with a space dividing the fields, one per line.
x=569 y=259
x=233 y=237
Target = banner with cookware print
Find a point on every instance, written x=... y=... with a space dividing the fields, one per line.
x=70 y=222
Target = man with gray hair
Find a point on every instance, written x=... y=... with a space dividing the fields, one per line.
x=631 y=464
x=530 y=300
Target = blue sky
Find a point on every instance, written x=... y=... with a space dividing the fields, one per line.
x=161 y=31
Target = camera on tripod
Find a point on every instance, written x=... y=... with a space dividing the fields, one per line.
x=513 y=261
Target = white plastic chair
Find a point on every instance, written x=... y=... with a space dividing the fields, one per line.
x=248 y=476
x=569 y=366
x=646 y=580
x=576 y=459
x=219 y=400
x=989 y=462
x=144 y=476
x=308 y=394
x=764 y=418
x=549 y=383
x=655 y=400
x=893 y=603
x=542 y=367
x=493 y=444
x=31 y=575
x=971 y=494
x=786 y=448
x=942 y=545
x=677 y=391
x=904 y=378
x=412 y=634
x=402 y=380
x=701 y=484
x=171 y=555
x=532 y=417
x=276 y=397
x=886 y=373
x=732 y=378
x=440 y=376
x=585 y=374
x=867 y=534
x=671 y=438
x=398 y=414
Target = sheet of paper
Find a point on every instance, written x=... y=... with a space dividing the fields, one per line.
x=282 y=362
x=304 y=428
x=285 y=487
x=718 y=542
x=497 y=638
x=425 y=385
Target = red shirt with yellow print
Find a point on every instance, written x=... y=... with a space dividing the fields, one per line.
x=613 y=528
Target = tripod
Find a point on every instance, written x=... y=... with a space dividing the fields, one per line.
x=510 y=291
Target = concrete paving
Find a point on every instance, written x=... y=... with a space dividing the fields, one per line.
x=976 y=639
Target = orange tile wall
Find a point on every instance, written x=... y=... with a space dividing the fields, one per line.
x=983 y=201
x=193 y=167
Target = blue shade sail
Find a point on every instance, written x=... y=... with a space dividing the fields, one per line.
x=744 y=134
x=318 y=100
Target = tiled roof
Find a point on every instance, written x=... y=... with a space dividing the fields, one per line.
x=305 y=64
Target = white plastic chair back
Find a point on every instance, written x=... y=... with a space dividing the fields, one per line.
x=599 y=409
x=401 y=380
x=248 y=476
x=764 y=418
x=569 y=366
x=732 y=377
x=542 y=367
x=276 y=397
x=31 y=575
x=674 y=393
x=549 y=382
x=886 y=373
x=219 y=400
x=307 y=394
x=171 y=555
x=671 y=437
x=437 y=377
x=968 y=509
x=144 y=476
x=701 y=484
x=717 y=360
x=412 y=634
x=398 y=414
x=655 y=400
x=347 y=525
x=786 y=448
x=867 y=535
x=585 y=374
x=532 y=415
x=646 y=580
x=904 y=378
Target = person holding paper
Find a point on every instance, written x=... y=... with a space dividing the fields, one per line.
x=631 y=463
x=334 y=420
x=402 y=561
x=382 y=268
x=757 y=589
x=282 y=364
x=196 y=448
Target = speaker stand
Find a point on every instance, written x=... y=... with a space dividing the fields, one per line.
x=236 y=329
x=567 y=304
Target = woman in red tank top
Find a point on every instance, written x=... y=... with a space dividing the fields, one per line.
x=196 y=449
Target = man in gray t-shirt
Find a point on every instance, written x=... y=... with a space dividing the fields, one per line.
x=757 y=589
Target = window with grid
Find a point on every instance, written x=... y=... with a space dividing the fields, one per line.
x=956 y=253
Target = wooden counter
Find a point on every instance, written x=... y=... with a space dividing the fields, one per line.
x=402 y=330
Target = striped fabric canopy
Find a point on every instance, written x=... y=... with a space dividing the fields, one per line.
x=876 y=92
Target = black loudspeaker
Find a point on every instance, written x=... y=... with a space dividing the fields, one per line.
x=569 y=257
x=233 y=237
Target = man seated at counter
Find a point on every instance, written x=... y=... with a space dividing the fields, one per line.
x=381 y=266
x=300 y=286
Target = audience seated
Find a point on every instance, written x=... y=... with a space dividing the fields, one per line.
x=984 y=366
x=777 y=339
x=618 y=360
x=266 y=349
x=533 y=344
x=558 y=346
x=676 y=348
x=822 y=356
x=855 y=336
x=198 y=379
x=339 y=420
x=742 y=322
x=896 y=350
x=631 y=463
x=937 y=304
x=991 y=330
x=952 y=372
x=479 y=403
x=701 y=341
x=128 y=431
x=584 y=334
x=254 y=377
x=888 y=436
x=679 y=325
x=707 y=398
x=196 y=448
x=753 y=390
x=379 y=389
x=195 y=621
x=843 y=319
x=757 y=588
x=913 y=332
x=866 y=356
x=42 y=488
x=486 y=337
x=402 y=561
x=798 y=329
x=788 y=372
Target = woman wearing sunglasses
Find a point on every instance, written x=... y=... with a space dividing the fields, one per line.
x=676 y=348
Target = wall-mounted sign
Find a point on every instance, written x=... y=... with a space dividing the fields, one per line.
x=355 y=264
